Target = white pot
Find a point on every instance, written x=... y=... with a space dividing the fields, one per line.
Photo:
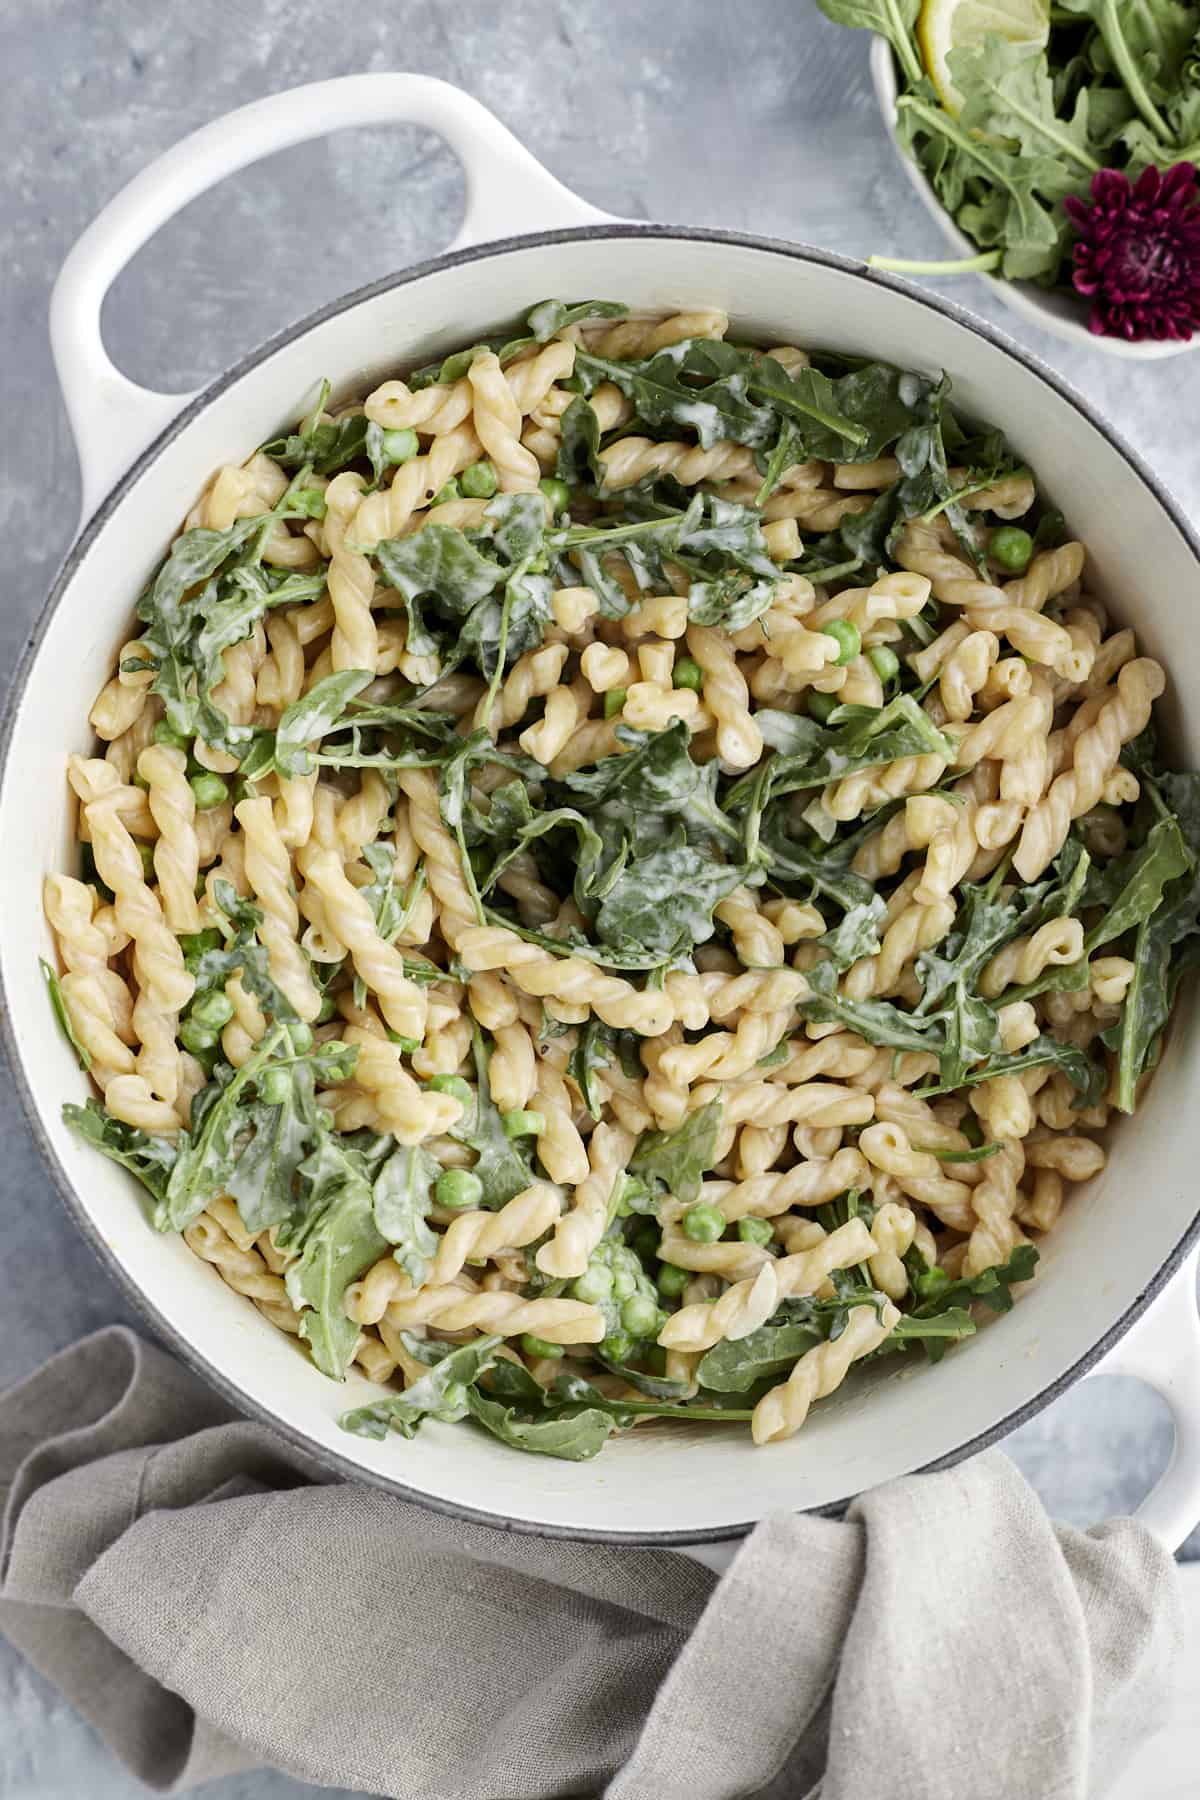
x=1119 y=1241
x=1063 y=315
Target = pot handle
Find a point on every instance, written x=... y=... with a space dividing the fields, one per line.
x=112 y=418
x=1163 y=1350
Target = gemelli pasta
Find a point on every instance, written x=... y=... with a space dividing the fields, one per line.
x=623 y=876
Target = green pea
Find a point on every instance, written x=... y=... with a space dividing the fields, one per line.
x=557 y=493
x=616 y=1346
x=704 y=1224
x=624 y=1284
x=139 y=781
x=755 y=1231
x=932 y=1282
x=448 y=492
x=845 y=636
x=639 y=1316
x=169 y=738
x=1011 y=548
x=884 y=661
x=614 y=700
x=196 y=1037
x=209 y=790
x=594 y=1285
x=672 y=1281
x=301 y=1036
x=821 y=705
x=536 y=1346
x=146 y=852
x=456 y=1189
x=646 y=1240
x=479 y=482
x=400 y=446
x=275 y=1087
x=523 y=1124
x=454 y=1085
x=687 y=673
x=214 y=1010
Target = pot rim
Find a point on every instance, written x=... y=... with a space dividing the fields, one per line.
x=74 y=558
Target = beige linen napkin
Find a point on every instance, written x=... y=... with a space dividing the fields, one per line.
x=211 y=1603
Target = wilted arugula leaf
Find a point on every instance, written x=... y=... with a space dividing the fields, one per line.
x=856 y=935
x=1130 y=887
x=569 y=1433
x=597 y=1046
x=857 y=737
x=717 y=408
x=262 y=1179
x=500 y=1165
x=579 y=458
x=878 y=1021
x=678 y=1159
x=439 y=562
x=338 y=1241
x=442 y=1394
x=312 y=716
x=151 y=1159
x=549 y=317
x=663 y=903
x=402 y=1195
x=58 y=1007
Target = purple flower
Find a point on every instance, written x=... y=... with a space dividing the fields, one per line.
x=1138 y=254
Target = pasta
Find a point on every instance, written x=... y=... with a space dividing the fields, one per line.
x=592 y=938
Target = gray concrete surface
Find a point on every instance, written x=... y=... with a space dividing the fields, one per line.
x=756 y=117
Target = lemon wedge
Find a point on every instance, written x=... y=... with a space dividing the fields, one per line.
x=946 y=25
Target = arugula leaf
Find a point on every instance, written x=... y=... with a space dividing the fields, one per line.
x=439 y=562
x=549 y=317
x=856 y=935
x=893 y=19
x=442 y=1394
x=1008 y=94
x=208 y=1155
x=736 y=1366
x=500 y=1165
x=718 y=410
x=677 y=1159
x=194 y=557
x=338 y=1242
x=402 y=1195
x=312 y=716
x=151 y=1159
x=242 y=955
x=58 y=1007
x=857 y=737
x=662 y=904
x=1131 y=886
x=947 y=1306
x=263 y=1178
x=878 y=1021
x=579 y=445
x=570 y=1433
x=597 y=1046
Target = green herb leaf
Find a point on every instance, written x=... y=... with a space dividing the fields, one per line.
x=402 y=1195
x=678 y=1159
x=442 y=1394
x=58 y=1007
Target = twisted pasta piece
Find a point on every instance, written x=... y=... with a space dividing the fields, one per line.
x=632 y=459
x=643 y=337
x=1123 y=714
x=893 y=1229
x=758 y=942
x=1050 y=573
x=986 y=608
x=244 y=1270
x=965 y=671
x=512 y=1070
x=769 y=1103
x=456 y=909
x=1057 y=941
x=498 y=426
x=475 y=1236
x=541 y=973
x=783 y=1411
x=351 y=578
x=410 y=1112
x=121 y=702
x=532 y=675
x=580 y=1229
x=269 y=872
x=94 y=1026
x=449 y=1309
x=737 y=1313
x=561 y=1150
x=886 y=1146
x=994 y=1236
x=387 y=513
x=739 y=741
x=84 y=945
x=380 y=966
x=767 y=1195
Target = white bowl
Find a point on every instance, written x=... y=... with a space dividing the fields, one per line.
x=1050 y=311
x=1120 y=1240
